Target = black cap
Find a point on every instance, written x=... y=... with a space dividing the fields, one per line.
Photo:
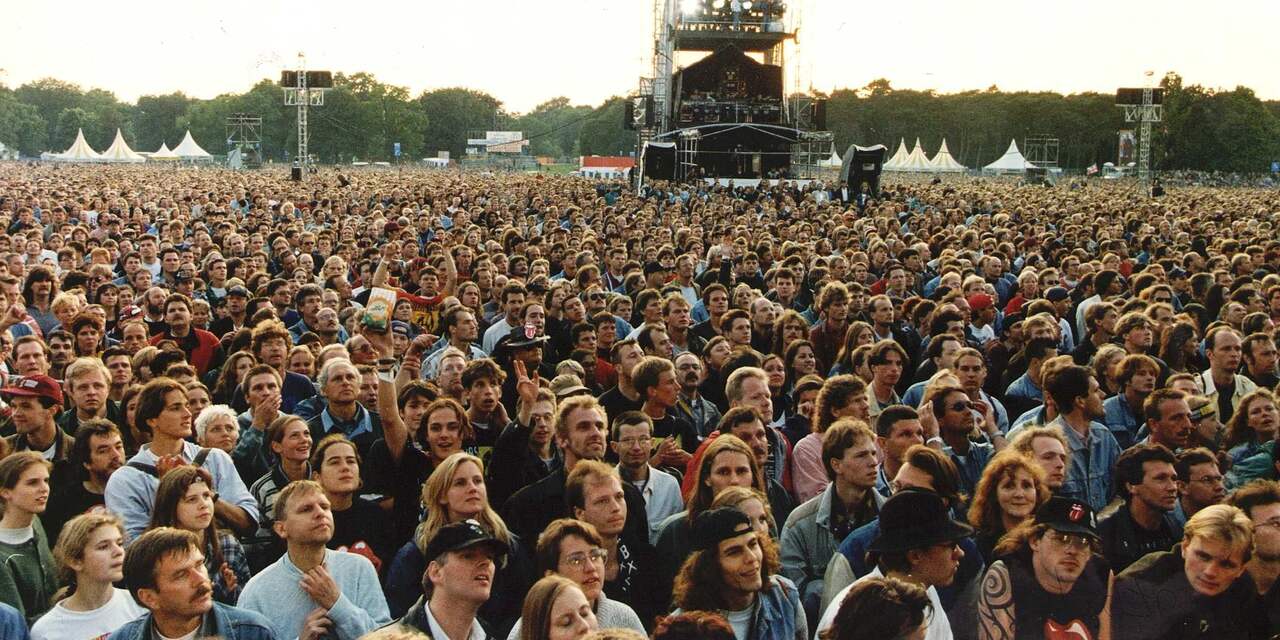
x=1056 y=294
x=461 y=535
x=238 y=290
x=714 y=526
x=1177 y=273
x=915 y=520
x=1068 y=516
x=522 y=336
x=654 y=267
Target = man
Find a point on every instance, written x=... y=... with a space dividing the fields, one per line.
x=731 y=573
x=262 y=391
x=1136 y=332
x=1260 y=360
x=87 y=383
x=1261 y=502
x=1027 y=391
x=1168 y=419
x=1200 y=483
x=887 y=361
x=61 y=351
x=203 y=350
x=692 y=406
x=270 y=344
x=310 y=587
x=1047 y=447
x=31 y=356
x=513 y=297
x=1148 y=483
x=1049 y=585
x=735 y=325
x=982 y=311
x=749 y=387
x=828 y=335
x=1101 y=323
x=1093 y=449
x=632 y=443
x=971 y=369
x=785 y=289
x=483 y=379
x=339 y=382
x=165 y=573
x=97 y=452
x=655 y=380
x=898 y=428
x=462 y=560
x=654 y=341
x=308 y=303
x=1221 y=382
x=460 y=331
x=675 y=317
x=715 y=303
x=1136 y=374
x=624 y=355
x=1199 y=589
x=35 y=401
x=120 y=369
x=955 y=416
x=815 y=528
x=234 y=320
x=763 y=314
x=919 y=543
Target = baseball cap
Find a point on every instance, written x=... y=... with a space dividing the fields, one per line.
x=400 y=327
x=238 y=290
x=654 y=267
x=1056 y=294
x=462 y=535
x=36 y=386
x=567 y=384
x=131 y=312
x=1068 y=516
x=717 y=525
x=979 y=301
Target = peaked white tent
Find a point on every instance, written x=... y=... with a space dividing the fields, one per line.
x=119 y=151
x=898 y=157
x=164 y=153
x=916 y=160
x=79 y=151
x=833 y=161
x=942 y=161
x=189 y=150
x=1012 y=161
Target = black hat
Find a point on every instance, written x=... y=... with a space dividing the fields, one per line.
x=714 y=526
x=654 y=267
x=461 y=535
x=238 y=290
x=915 y=520
x=525 y=335
x=1068 y=516
x=1057 y=294
x=1177 y=273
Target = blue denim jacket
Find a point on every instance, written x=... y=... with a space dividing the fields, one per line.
x=228 y=623
x=780 y=616
x=1089 y=478
x=1023 y=387
x=1121 y=420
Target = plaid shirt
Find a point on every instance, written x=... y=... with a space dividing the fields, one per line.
x=233 y=556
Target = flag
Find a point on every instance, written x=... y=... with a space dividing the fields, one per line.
x=1093 y=168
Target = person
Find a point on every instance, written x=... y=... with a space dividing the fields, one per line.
x=842 y=396
x=1220 y=381
x=310 y=586
x=1260 y=500
x=97 y=452
x=1144 y=523
x=1047 y=448
x=1010 y=492
x=164 y=571
x=693 y=625
x=90 y=557
x=1136 y=374
x=357 y=520
x=184 y=500
x=339 y=383
x=28 y=578
x=461 y=561
x=163 y=412
x=956 y=416
x=879 y=608
x=290 y=442
x=1168 y=420
x=734 y=569
x=455 y=492
x=632 y=443
x=34 y=402
x=898 y=429
x=525 y=452
x=918 y=542
x=1093 y=450
x=816 y=527
x=87 y=382
x=1048 y=581
x=556 y=609
x=655 y=381
x=573 y=549
x=1198 y=589
x=1200 y=482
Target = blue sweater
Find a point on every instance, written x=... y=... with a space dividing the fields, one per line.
x=275 y=594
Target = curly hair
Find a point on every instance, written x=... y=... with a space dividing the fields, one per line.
x=1238 y=429
x=693 y=625
x=699 y=585
x=836 y=393
x=984 y=512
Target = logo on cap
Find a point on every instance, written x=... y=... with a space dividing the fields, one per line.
x=28 y=383
x=1076 y=512
x=530 y=331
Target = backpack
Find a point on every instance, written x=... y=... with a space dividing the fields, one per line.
x=151 y=469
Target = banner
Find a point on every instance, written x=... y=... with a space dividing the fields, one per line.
x=1128 y=148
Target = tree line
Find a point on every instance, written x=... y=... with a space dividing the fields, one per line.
x=1204 y=128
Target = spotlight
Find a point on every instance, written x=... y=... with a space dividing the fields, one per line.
x=690 y=7
x=746 y=6
x=717 y=5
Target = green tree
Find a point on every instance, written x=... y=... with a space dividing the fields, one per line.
x=21 y=126
x=156 y=120
x=454 y=112
x=603 y=133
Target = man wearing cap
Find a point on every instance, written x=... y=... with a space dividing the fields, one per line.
x=1048 y=582
x=461 y=559
x=237 y=303
x=1060 y=298
x=310 y=587
x=918 y=542
x=203 y=349
x=35 y=401
x=982 y=311
x=523 y=344
x=733 y=571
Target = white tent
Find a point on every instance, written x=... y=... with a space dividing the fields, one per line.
x=915 y=161
x=833 y=161
x=942 y=161
x=189 y=150
x=164 y=153
x=80 y=151
x=119 y=151
x=1012 y=161
x=898 y=157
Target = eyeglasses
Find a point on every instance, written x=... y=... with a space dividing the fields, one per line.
x=596 y=296
x=1208 y=479
x=961 y=406
x=578 y=559
x=629 y=442
x=1072 y=540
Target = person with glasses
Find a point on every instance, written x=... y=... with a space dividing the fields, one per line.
x=1201 y=482
x=1049 y=580
x=956 y=416
x=1260 y=501
x=632 y=442
x=575 y=550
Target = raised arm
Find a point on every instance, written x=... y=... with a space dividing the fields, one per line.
x=394 y=430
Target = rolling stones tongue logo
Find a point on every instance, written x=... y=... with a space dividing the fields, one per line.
x=1075 y=630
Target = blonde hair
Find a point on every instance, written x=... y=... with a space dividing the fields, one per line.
x=71 y=544
x=1224 y=523
x=734 y=496
x=433 y=492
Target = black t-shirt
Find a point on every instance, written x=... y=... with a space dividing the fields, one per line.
x=364 y=521
x=1225 y=392
x=66 y=502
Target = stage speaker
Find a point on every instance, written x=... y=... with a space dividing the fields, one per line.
x=862 y=167
x=629 y=115
x=295 y=174
x=820 y=115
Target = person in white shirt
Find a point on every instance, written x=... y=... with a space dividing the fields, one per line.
x=90 y=557
x=632 y=442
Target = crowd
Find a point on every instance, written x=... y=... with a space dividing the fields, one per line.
x=472 y=406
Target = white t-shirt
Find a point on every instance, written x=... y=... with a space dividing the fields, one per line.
x=61 y=623
x=939 y=625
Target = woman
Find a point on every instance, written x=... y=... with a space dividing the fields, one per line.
x=880 y=608
x=198 y=398
x=777 y=370
x=233 y=371
x=184 y=500
x=1254 y=424
x=556 y=609
x=1178 y=348
x=714 y=355
x=1104 y=368
x=108 y=297
x=751 y=502
x=788 y=328
x=574 y=549
x=801 y=360
x=1008 y=494
x=858 y=334
x=454 y=492
x=65 y=307
x=302 y=360
x=216 y=426
x=840 y=397
x=133 y=437
x=289 y=439
x=90 y=557
x=358 y=523
x=28 y=577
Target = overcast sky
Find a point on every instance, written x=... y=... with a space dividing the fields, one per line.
x=526 y=51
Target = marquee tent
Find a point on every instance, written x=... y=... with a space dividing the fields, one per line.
x=164 y=154
x=189 y=150
x=1012 y=161
x=898 y=157
x=119 y=151
x=833 y=161
x=942 y=161
x=915 y=161
x=80 y=151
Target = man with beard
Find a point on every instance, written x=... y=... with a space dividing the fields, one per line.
x=580 y=435
x=449 y=375
x=1260 y=501
x=203 y=350
x=695 y=409
x=154 y=305
x=1200 y=483
x=1148 y=482
x=96 y=453
x=1047 y=582
x=165 y=572
x=310 y=587
x=763 y=313
x=308 y=302
x=460 y=332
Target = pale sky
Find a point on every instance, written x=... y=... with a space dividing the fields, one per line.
x=526 y=51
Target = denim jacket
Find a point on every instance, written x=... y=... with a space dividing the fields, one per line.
x=228 y=623
x=1089 y=478
x=1121 y=420
x=779 y=616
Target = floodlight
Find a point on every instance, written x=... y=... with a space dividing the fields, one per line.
x=690 y=7
x=746 y=6
x=717 y=5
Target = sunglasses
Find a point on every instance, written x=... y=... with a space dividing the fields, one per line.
x=961 y=406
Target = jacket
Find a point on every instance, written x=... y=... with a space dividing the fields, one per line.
x=203 y=349
x=416 y=619
x=808 y=543
x=1244 y=387
x=779 y=615
x=1153 y=599
x=223 y=622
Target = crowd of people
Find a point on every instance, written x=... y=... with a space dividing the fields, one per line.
x=468 y=406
